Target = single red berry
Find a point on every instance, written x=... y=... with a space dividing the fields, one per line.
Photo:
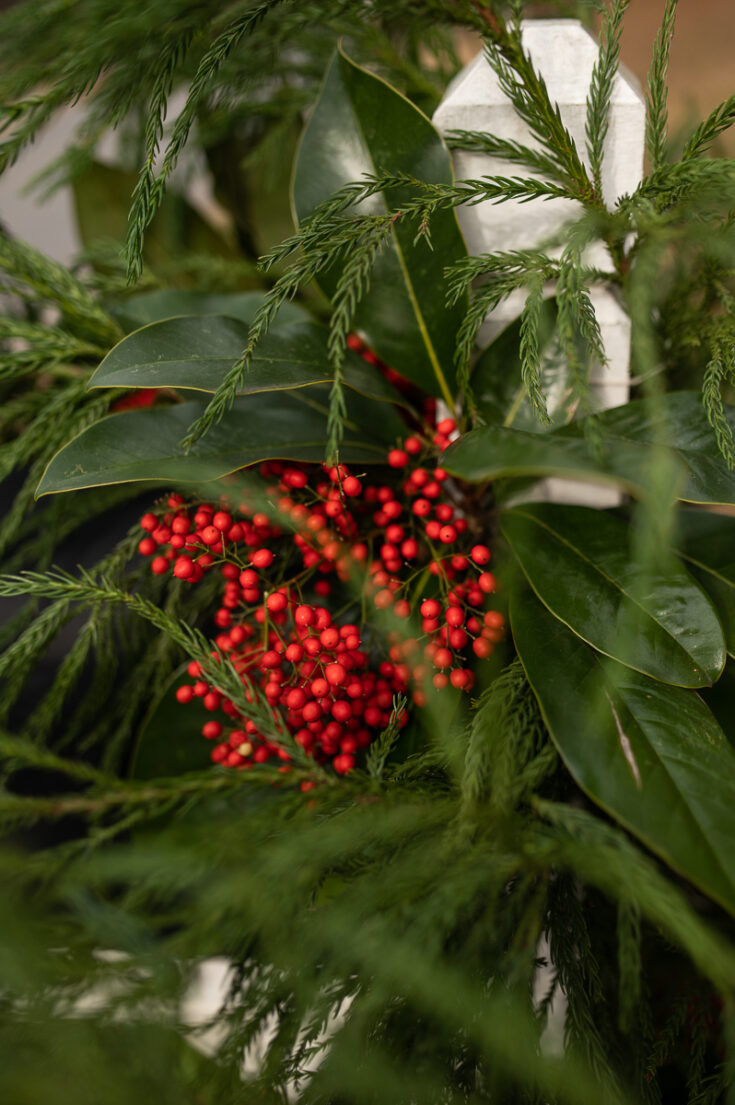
x=222 y=521
x=211 y=730
x=343 y=763
x=149 y=522
x=276 y=602
x=494 y=619
x=402 y=609
x=413 y=445
x=430 y=608
x=330 y=637
x=351 y=486
x=184 y=693
x=480 y=554
x=459 y=678
x=147 y=546
x=447 y=534
x=335 y=674
x=159 y=565
x=487 y=583
x=482 y=648
x=248 y=578
x=442 y=658
x=422 y=507
x=398 y=458
x=184 y=567
x=262 y=558
x=446 y=426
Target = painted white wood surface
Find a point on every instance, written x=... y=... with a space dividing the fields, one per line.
x=563 y=52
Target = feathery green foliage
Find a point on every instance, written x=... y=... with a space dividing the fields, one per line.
x=423 y=928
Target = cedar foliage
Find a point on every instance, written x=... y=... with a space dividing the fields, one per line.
x=383 y=938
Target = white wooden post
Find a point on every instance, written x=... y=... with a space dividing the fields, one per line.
x=564 y=54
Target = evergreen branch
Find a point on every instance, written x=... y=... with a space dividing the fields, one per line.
x=530 y=354
x=148 y=198
x=352 y=285
x=601 y=88
x=526 y=89
x=657 y=114
x=719 y=370
x=508 y=150
x=52 y=281
x=383 y=745
x=147 y=193
x=710 y=129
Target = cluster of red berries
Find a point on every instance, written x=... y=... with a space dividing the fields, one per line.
x=314 y=533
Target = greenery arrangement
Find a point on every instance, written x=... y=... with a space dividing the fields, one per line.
x=473 y=753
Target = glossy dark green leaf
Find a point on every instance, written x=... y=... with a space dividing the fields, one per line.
x=102 y=202
x=707 y=543
x=677 y=421
x=360 y=125
x=581 y=565
x=139 y=310
x=661 y=442
x=145 y=444
x=652 y=756
x=498 y=387
x=197 y=352
x=171 y=741
x=498 y=452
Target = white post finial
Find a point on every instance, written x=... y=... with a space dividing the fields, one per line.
x=564 y=54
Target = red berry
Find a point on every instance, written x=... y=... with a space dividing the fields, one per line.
x=263 y=558
x=184 y=693
x=336 y=674
x=480 y=554
x=159 y=565
x=413 y=445
x=276 y=602
x=447 y=534
x=430 y=608
x=482 y=648
x=446 y=426
x=486 y=582
x=442 y=658
x=397 y=458
x=351 y=486
x=343 y=763
x=147 y=546
x=149 y=522
x=184 y=567
x=222 y=521
x=211 y=730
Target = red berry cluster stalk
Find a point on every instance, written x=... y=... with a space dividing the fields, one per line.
x=312 y=535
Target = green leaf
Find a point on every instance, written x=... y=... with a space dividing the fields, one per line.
x=707 y=543
x=360 y=125
x=144 y=444
x=102 y=201
x=498 y=452
x=632 y=444
x=677 y=420
x=580 y=564
x=498 y=387
x=171 y=741
x=139 y=310
x=197 y=352
x=652 y=756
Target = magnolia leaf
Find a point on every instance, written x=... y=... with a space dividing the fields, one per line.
x=652 y=756
x=655 y=619
x=197 y=352
x=498 y=452
x=707 y=543
x=170 y=741
x=139 y=310
x=678 y=422
x=145 y=444
x=361 y=126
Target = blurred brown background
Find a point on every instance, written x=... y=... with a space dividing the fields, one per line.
x=702 y=70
